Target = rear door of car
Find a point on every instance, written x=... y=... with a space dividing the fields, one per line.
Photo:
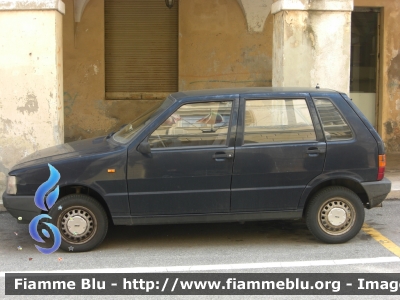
x=280 y=147
x=351 y=145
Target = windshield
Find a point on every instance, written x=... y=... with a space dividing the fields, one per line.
x=126 y=133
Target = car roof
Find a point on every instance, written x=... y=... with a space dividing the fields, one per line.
x=246 y=91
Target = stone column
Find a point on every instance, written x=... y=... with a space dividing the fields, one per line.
x=31 y=79
x=311 y=43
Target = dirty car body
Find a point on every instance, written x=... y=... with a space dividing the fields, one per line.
x=222 y=155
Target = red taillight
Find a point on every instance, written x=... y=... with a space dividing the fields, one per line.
x=381 y=166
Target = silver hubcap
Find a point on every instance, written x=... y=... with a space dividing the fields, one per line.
x=336 y=216
x=78 y=225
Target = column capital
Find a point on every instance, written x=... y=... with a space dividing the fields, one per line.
x=7 y=5
x=324 y=5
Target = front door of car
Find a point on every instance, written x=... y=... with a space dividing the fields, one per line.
x=189 y=166
x=280 y=150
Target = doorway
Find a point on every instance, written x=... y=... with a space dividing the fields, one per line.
x=364 y=62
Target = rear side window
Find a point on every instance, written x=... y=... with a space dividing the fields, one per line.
x=277 y=121
x=335 y=127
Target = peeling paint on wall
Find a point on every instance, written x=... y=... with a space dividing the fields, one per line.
x=394 y=69
x=312 y=47
x=393 y=131
x=389 y=127
x=6 y=126
x=31 y=104
x=95 y=69
x=28 y=108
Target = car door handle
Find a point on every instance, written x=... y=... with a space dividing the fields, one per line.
x=219 y=156
x=315 y=150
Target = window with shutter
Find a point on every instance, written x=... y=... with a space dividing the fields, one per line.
x=141 y=48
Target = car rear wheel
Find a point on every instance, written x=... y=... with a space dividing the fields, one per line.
x=82 y=222
x=335 y=215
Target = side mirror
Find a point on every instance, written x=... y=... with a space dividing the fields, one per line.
x=144 y=148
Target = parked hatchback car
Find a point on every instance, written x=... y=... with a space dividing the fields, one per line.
x=224 y=155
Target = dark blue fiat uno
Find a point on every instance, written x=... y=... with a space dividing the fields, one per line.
x=223 y=155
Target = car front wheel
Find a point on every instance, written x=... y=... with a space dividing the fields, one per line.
x=82 y=222
x=335 y=215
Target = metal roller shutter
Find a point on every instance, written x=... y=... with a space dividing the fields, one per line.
x=141 y=46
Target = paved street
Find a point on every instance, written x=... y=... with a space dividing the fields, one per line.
x=212 y=247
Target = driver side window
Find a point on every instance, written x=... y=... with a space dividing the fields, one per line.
x=193 y=125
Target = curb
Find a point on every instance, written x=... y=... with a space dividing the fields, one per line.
x=394 y=194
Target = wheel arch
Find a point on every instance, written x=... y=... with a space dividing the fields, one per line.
x=85 y=190
x=351 y=184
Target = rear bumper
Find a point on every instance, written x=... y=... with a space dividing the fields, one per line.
x=377 y=191
x=21 y=207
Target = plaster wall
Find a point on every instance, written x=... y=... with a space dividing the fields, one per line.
x=217 y=48
x=312 y=47
x=389 y=74
x=31 y=80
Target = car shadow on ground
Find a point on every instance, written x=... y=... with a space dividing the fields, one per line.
x=212 y=234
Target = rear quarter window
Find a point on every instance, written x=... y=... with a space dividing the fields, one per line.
x=334 y=125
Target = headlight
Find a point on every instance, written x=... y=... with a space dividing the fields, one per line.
x=12 y=185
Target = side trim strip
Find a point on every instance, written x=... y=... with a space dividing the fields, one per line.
x=207 y=218
x=178 y=192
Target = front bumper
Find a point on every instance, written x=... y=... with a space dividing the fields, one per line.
x=22 y=208
x=377 y=191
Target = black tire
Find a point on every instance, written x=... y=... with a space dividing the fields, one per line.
x=88 y=218
x=335 y=215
